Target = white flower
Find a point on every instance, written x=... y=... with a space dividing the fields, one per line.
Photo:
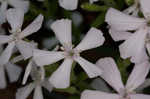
x=112 y=76
x=21 y=4
x=71 y=4
x=61 y=77
x=39 y=81
x=135 y=44
x=15 y=18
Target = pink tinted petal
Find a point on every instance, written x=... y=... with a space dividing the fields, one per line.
x=3 y=10
x=13 y=71
x=15 y=18
x=119 y=35
x=68 y=4
x=6 y=54
x=27 y=72
x=25 y=48
x=42 y=57
x=61 y=77
x=20 y=4
x=138 y=75
x=63 y=30
x=38 y=93
x=140 y=96
x=120 y=21
x=3 y=83
x=88 y=94
x=91 y=69
x=93 y=39
x=110 y=73
x=23 y=93
x=5 y=39
x=134 y=46
x=33 y=27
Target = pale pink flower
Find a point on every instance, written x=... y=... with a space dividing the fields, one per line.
x=61 y=77
x=112 y=76
x=135 y=44
x=15 y=17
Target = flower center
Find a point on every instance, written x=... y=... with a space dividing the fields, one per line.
x=125 y=94
x=37 y=74
x=70 y=52
x=15 y=34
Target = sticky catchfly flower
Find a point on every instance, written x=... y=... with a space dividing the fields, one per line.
x=62 y=28
x=135 y=44
x=15 y=18
x=112 y=76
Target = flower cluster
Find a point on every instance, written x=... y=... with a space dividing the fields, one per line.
x=126 y=26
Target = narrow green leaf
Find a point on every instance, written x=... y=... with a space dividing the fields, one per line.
x=99 y=20
x=94 y=7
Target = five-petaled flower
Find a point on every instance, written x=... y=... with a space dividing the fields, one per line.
x=62 y=28
x=15 y=18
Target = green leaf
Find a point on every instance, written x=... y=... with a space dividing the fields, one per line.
x=70 y=90
x=129 y=2
x=123 y=65
x=94 y=7
x=99 y=20
x=49 y=69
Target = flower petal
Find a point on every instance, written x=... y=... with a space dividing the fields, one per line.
x=119 y=35
x=6 y=54
x=121 y=21
x=61 y=77
x=3 y=83
x=145 y=7
x=91 y=69
x=110 y=73
x=68 y=4
x=15 y=18
x=38 y=93
x=88 y=94
x=20 y=4
x=33 y=27
x=140 y=96
x=13 y=72
x=47 y=85
x=42 y=57
x=134 y=47
x=138 y=75
x=3 y=10
x=93 y=39
x=63 y=29
x=27 y=72
x=25 y=48
x=5 y=39
x=23 y=93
